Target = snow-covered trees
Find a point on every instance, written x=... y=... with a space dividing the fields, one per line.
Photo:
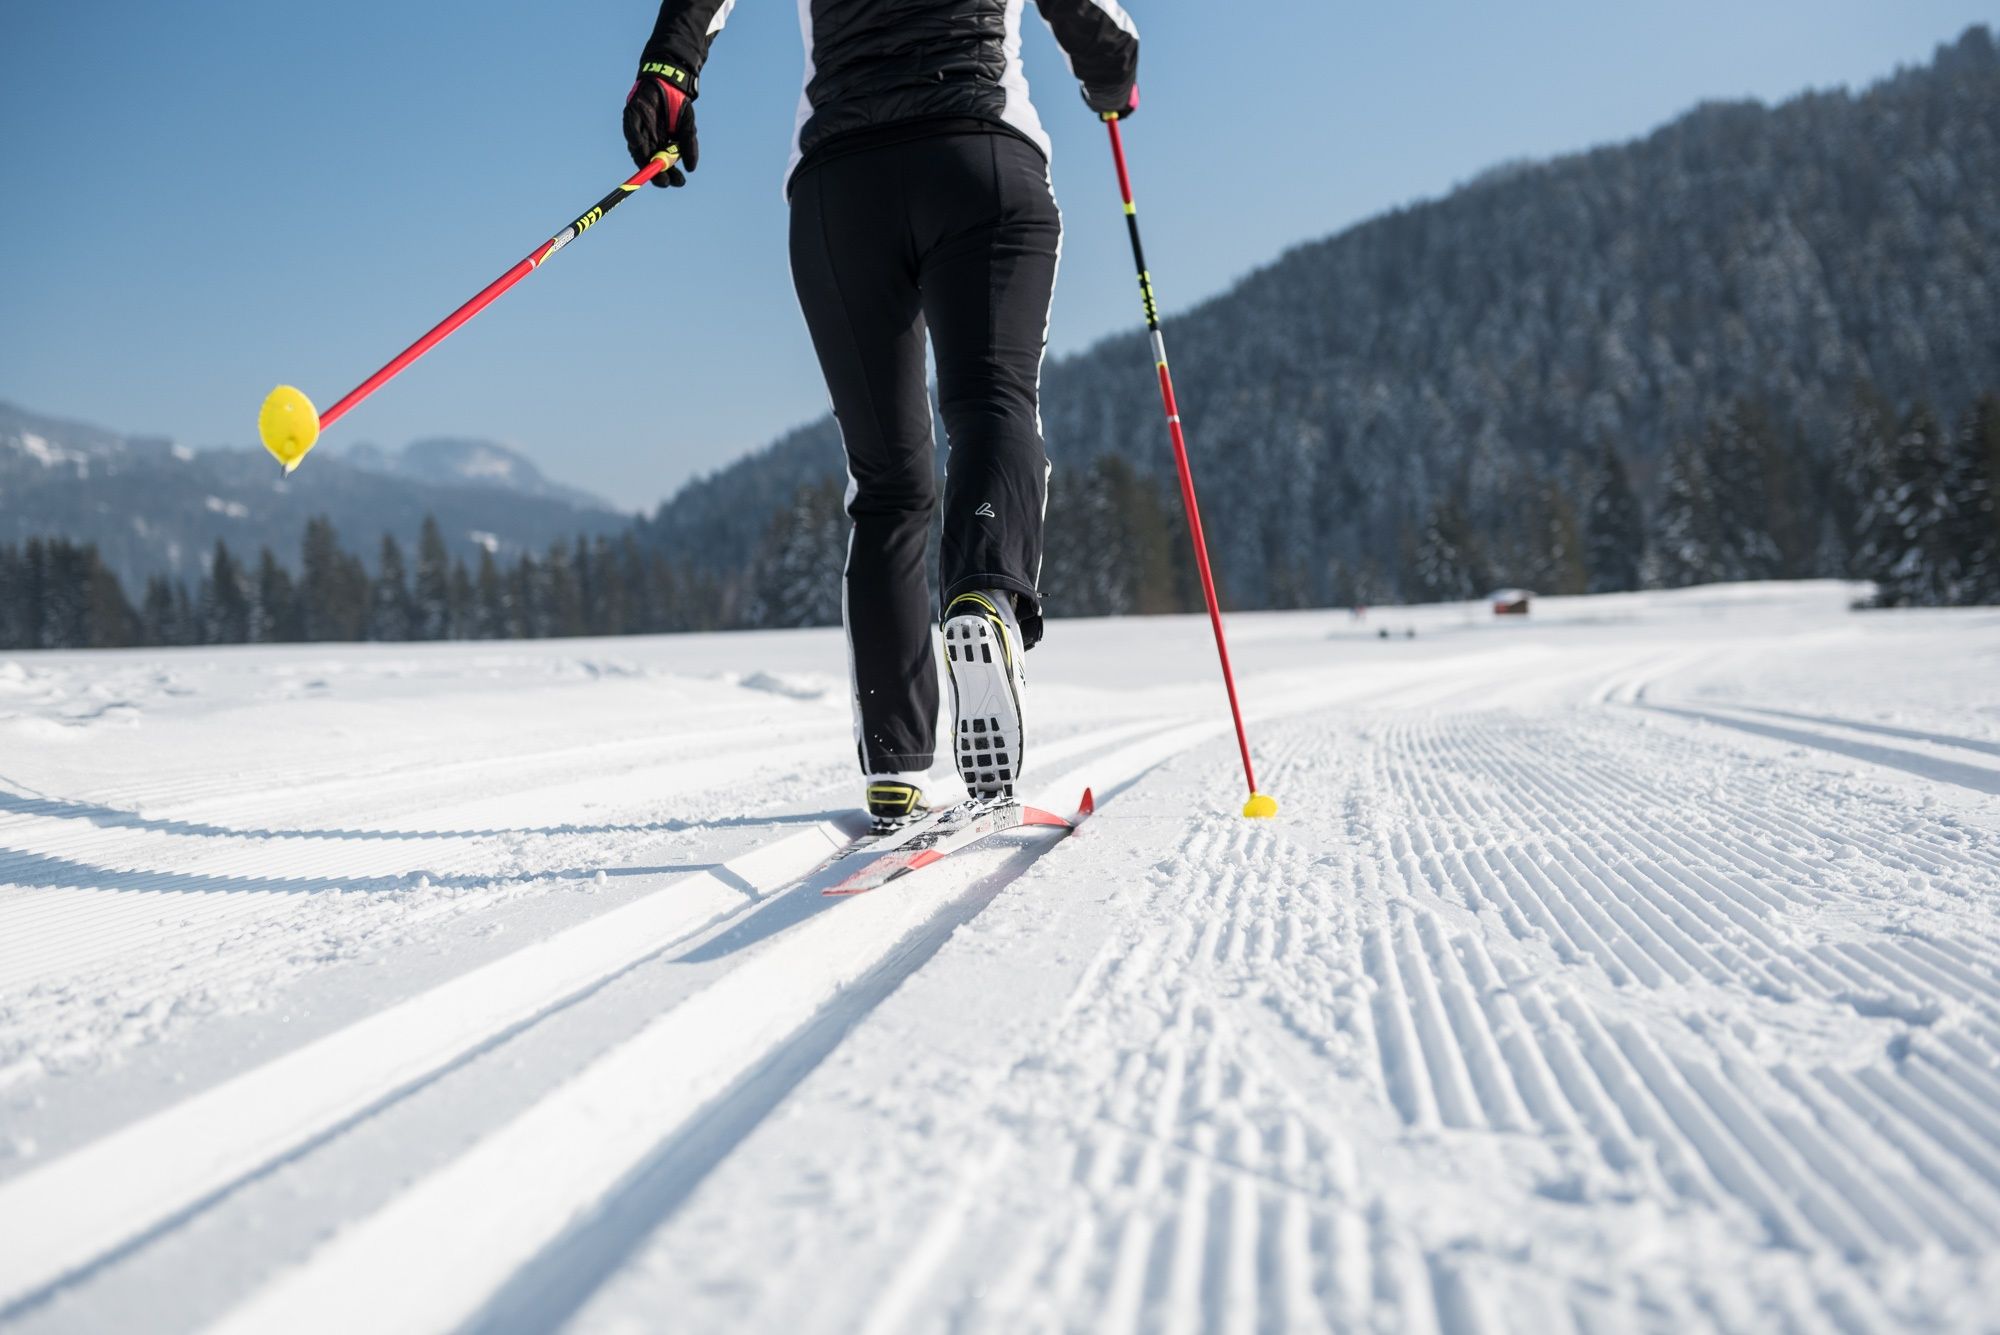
x=434 y=609
x=1112 y=547
x=1716 y=515
x=795 y=574
x=1614 y=527
x=333 y=587
x=1926 y=530
x=56 y=594
x=1447 y=563
x=60 y=595
x=1735 y=272
x=275 y=618
x=389 y=596
x=225 y=607
x=1975 y=488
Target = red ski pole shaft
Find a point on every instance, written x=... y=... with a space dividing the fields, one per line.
x=487 y=296
x=1259 y=804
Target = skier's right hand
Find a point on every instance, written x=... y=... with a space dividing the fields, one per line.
x=1112 y=104
x=659 y=114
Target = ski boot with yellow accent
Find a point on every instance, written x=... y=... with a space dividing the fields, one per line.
x=982 y=653
x=893 y=802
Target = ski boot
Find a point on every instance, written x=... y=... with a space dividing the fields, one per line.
x=982 y=652
x=893 y=802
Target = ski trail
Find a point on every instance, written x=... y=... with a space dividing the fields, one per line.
x=177 y=1159
x=623 y=1106
x=1811 y=1172
x=1537 y=1008
x=1990 y=748
x=1967 y=774
x=1201 y=1192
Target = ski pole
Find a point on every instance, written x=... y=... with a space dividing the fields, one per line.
x=288 y=422
x=1260 y=804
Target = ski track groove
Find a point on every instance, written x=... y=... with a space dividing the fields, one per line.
x=1197 y=1197
x=136 y=937
x=1828 y=1160
x=118 y=921
x=1865 y=1168
x=276 y=791
x=1892 y=848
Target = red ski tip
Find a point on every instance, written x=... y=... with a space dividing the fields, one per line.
x=1088 y=805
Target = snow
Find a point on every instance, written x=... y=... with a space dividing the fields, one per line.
x=45 y=452
x=232 y=509
x=1634 y=965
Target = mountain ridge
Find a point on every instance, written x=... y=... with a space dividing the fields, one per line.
x=1490 y=341
x=152 y=507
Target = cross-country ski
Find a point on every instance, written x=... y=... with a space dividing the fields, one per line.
x=954 y=829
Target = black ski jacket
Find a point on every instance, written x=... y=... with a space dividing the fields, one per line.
x=871 y=64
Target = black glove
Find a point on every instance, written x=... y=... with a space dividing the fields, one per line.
x=659 y=114
x=1112 y=104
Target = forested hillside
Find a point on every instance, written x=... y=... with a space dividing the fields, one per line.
x=1539 y=378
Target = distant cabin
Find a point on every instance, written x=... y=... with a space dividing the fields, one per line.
x=1510 y=602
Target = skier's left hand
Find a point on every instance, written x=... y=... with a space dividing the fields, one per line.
x=659 y=114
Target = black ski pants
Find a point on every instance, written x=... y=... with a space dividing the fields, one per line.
x=957 y=235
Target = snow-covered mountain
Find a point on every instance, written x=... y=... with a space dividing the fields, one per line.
x=1485 y=347
x=452 y=462
x=153 y=507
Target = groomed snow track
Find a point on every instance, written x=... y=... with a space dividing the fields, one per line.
x=1627 y=977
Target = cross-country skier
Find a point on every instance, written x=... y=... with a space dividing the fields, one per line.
x=920 y=202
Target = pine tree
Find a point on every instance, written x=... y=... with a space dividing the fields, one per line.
x=559 y=607
x=492 y=618
x=1688 y=545
x=183 y=616
x=462 y=599
x=223 y=611
x=157 y=621
x=524 y=599
x=15 y=622
x=333 y=588
x=610 y=598
x=58 y=594
x=431 y=600
x=1143 y=536
x=795 y=578
x=1111 y=545
x=1614 y=526
x=31 y=572
x=391 y=615
x=1074 y=577
x=1740 y=444
x=49 y=615
x=1905 y=521
x=644 y=608
x=1797 y=494
x=1861 y=462
x=1971 y=542
x=1448 y=563
x=1559 y=565
x=274 y=616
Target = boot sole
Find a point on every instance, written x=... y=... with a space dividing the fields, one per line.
x=986 y=711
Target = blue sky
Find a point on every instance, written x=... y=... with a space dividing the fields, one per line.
x=209 y=197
